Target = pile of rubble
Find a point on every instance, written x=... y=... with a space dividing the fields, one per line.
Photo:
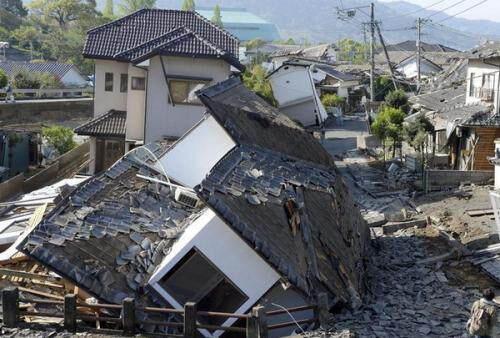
x=414 y=291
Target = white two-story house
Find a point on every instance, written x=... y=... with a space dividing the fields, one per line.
x=148 y=66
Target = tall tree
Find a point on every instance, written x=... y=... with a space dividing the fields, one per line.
x=217 y=18
x=26 y=36
x=188 y=5
x=130 y=6
x=63 y=12
x=109 y=10
x=12 y=13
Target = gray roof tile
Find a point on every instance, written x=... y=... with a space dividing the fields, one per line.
x=111 y=124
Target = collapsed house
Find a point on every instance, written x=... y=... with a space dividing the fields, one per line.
x=294 y=89
x=246 y=208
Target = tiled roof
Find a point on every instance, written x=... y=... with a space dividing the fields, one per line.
x=411 y=46
x=330 y=70
x=94 y=236
x=490 y=49
x=158 y=31
x=111 y=124
x=57 y=69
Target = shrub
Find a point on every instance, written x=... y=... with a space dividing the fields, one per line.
x=332 y=100
x=61 y=138
x=48 y=81
x=3 y=79
x=26 y=80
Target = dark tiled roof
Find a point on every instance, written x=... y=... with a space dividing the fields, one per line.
x=249 y=120
x=441 y=99
x=482 y=117
x=158 y=31
x=57 y=69
x=250 y=189
x=411 y=46
x=111 y=124
x=109 y=235
x=330 y=70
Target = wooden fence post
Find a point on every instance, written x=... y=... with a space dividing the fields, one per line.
x=321 y=311
x=190 y=320
x=128 y=316
x=10 y=307
x=70 y=312
x=257 y=323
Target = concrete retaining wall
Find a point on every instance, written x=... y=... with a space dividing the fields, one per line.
x=62 y=167
x=46 y=110
x=446 y=179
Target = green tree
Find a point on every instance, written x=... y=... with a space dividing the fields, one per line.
x=109 y=10
x=63 y=12
x=255 y=80
x=61 y=138
x=332 y=100
x=12 y=13
x=49 y=81
x=217 y=18
x=255 y=43
x=388 y=125
x=3 y=79
x=129 y=6
x=188 y=5
x=352 y=51
x=25 y=80
x=417 y=135
x=26 y=36
x=397 y=99
x=382 y=86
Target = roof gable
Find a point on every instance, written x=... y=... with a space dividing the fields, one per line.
x=147 y=29
x=111 y=124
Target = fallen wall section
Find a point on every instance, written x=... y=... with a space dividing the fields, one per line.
x=447 y=179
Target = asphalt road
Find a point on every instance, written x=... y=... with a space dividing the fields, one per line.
x=341 y=138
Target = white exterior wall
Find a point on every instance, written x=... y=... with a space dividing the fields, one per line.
x=238 y=261
x=190 y=159
x=136 y=105
x=164 y=119
x=105 y=101
x=294 y=84
x=73 y=78
x=478 y=68
x=409 y=69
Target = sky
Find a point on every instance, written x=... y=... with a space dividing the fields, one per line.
x=490 y=10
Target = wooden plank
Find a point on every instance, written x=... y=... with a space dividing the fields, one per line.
x=40 y=293
x=29 y=275
x=479 y=212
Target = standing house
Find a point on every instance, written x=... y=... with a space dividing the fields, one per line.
x=66 y=73
x=148 y=66
x=258 y=214
x=294 y=89
x=330 y=80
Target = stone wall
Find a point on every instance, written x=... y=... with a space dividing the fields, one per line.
x=447 y=179
x=34 y=111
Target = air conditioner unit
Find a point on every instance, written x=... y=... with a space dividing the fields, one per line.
x=187 y=198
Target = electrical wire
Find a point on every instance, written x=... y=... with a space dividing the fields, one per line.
x=289 y=314
x=416 y=11
x=465 y=10
x=445 y=9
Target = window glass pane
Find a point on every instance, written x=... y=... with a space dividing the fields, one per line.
x=138 y=83
x=196 y=279
x=123 y=83
x=184 y=91
x=108 y=82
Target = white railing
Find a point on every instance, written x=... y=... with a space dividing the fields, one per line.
x=58 y=92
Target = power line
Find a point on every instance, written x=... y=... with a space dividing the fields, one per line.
x=465 y=10
x=414 y=12
x=456 y=31
x=444 y=9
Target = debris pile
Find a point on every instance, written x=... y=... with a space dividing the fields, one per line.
x=413 y=295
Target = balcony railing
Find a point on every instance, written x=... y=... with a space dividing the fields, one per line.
x=485 y=94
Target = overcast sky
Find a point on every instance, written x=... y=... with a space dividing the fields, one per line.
x=490 y=10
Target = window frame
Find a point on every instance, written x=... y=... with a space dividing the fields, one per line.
x=471 y=84
x=171 y=79
x=179 y=265
x=141 y=88
x=123 y=82
x=109 y=83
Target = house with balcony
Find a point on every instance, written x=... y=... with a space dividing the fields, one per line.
x=148 y=66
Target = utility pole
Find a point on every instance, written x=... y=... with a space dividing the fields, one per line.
x=393 y=76
x=419 y=25
x=372 y=55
